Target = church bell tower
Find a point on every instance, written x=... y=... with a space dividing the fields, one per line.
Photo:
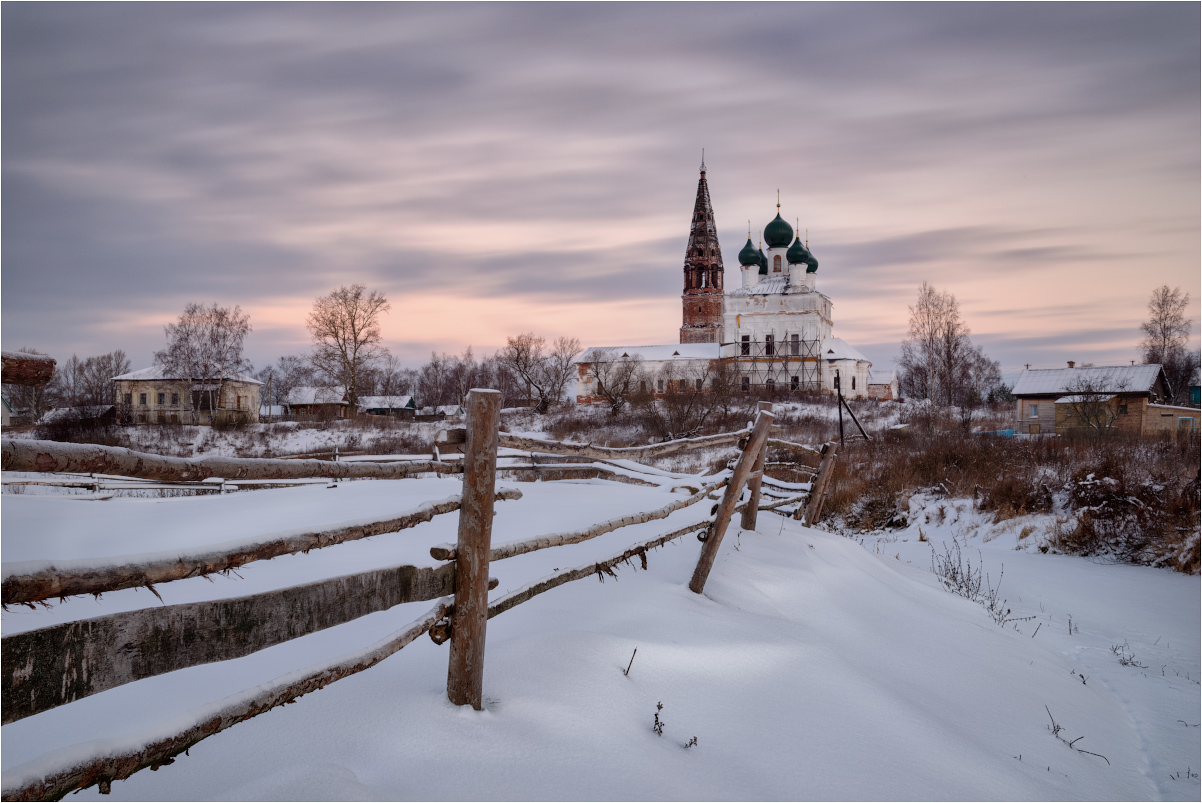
x=702 y=297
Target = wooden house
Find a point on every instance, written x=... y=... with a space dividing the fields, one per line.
x=326 y=403
x=395 y=406
x=156 y=396
x=1058 y=400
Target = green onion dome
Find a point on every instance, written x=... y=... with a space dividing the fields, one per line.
x=763 y=263
x=811 y=263
x=778 y=233
x=749 y=256
x=797 y=252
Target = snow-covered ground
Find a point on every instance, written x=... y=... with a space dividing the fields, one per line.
x=813 y=666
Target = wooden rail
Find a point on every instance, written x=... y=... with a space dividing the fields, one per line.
x=619 y=453
x=19 y=368
x=110 y=651
x=62 y=581
x=52 y=456
x=37 y=784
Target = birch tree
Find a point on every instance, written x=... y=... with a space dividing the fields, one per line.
x=205 y=345
x=1166 y=335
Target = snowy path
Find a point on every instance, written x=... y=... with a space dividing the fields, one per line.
x=811 y=668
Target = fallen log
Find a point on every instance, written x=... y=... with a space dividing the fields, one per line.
x=795 y=447
x=19 y=368
x=619 y=453
x=515 y=548
x=47 y=582
x=41 y=780
x=55 y=457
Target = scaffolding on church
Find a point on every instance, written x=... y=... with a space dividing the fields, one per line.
x=769 y=365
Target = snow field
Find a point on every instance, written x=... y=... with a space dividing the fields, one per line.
x=810 y=669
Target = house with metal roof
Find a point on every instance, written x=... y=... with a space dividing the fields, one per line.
x=155 y=395
x=1050 y=400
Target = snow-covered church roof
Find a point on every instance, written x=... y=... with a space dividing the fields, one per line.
x=672 y=351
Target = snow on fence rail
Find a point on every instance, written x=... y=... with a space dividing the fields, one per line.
x=53 y=666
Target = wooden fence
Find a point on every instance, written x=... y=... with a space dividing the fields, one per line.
x=54 y=666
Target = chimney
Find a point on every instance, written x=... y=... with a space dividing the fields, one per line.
x=1071 y=364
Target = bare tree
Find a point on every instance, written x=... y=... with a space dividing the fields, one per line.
x=615 y=375
x=205 y=345
x=681 y=397
x=938 y=359
x=1166 y=335
x=345 y=327
x=288 y=372
x=544 y=373
x=1093 y=405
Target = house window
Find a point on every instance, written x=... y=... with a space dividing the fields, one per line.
x=746 y=345
x=175 y=399
x=699 y=381
x=770 y=385
x=776 y=264
x=1122 y=409
x=853 y=383
x=770 y=343
x=238 y=403
x=746 y=384
x=1185 y=424
x=162 y=398
x=796 y=342
x=129 y=399
x=660 y=385
x=1034 y=411
x=142 y=399
x=794 y=382
x=642 y=386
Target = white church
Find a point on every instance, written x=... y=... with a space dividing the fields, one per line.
x=775 y=329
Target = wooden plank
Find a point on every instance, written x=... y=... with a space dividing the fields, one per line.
x=515 y=548
x=55 y=457
x=465 y=667
x=751 y=512
x=726 y=508
x=813 y=510
x=46 y=668
x=624 y=453
x=124 y=761
x=19 y=368
x=24 y=589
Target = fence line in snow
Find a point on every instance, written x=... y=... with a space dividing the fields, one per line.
x=126 y=647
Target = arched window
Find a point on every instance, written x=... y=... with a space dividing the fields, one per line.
x=776 y=264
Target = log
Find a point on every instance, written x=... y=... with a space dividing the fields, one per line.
x=753 y=483
x=54 y=582
x=789 y=446
x=601 y=568
x=813 y=510
x=623 y=453
x=55 y=457
x=515 y=548
x=53 y=666
x=19 y=368
x=465 y=666
x=125 y=761
x=726 y=508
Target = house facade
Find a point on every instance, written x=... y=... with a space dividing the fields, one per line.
x=327 y=403
x=1059 y=400
x=156 y=396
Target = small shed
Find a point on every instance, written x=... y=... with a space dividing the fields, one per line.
x=318 y=402
x=387 y=405
x=450 y=410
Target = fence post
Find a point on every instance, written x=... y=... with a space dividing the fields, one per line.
x=750 y=513
x=465 y=670
x=813 y=508
x=726 y=508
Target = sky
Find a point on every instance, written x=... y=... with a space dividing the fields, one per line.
x=496 y=169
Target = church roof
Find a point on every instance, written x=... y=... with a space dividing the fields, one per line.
x=703 y=250
x=750 y=255
x=836 y=348
x=672 y=351
x=778 y=233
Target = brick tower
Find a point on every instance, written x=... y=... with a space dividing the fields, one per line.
x=702 y=298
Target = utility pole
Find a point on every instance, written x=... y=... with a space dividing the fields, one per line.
x=839 y=391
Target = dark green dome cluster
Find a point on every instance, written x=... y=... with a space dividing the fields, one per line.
x=798 y=254
x=778 y=233
x=749 y=255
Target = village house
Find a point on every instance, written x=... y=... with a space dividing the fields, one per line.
x=326 y=403
x=1126 y=398
x=395 y=406
x=155 y=396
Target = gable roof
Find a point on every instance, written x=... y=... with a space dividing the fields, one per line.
x=385 y=402
x=836 y=348
x=159 y=372
x=308 y=395
x=1103 y=379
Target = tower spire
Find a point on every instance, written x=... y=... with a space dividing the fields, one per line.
x=703 y=272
